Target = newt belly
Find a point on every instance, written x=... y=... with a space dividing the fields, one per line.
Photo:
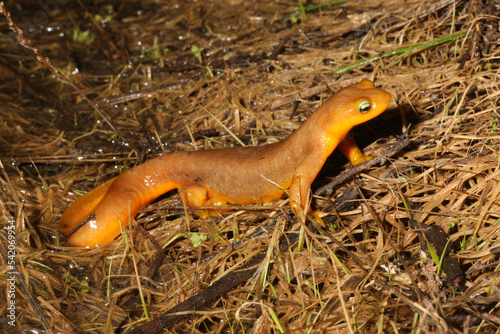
x=232 y=175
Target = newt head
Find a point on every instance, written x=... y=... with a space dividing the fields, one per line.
x=352 y=106
x=362 y=102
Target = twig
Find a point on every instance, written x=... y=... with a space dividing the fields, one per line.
x=202 y=299
x=160 y=253
x=25 y=43
x=347 y=174
x=433 y=235
x=215 y=291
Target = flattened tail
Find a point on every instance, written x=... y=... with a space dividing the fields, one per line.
x=99 y=216
x=82 y=207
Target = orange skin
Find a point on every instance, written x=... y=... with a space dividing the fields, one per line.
x=241 y=175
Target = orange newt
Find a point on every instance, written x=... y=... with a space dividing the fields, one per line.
x=240 y=175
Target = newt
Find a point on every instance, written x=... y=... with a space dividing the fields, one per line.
x=238 y=175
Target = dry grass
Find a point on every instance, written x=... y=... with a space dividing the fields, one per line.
x=259 y=74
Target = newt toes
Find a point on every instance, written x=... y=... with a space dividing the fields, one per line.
x=240 y=175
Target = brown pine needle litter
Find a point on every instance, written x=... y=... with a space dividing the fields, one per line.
x=183 y=75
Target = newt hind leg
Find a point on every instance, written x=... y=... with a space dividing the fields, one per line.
x=197 y=195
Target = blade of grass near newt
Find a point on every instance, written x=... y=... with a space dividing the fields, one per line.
x=303 y=10
x=402 y=52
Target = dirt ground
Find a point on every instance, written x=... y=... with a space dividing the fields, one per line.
x=411 y=243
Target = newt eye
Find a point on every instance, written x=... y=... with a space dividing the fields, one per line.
x=364 y=107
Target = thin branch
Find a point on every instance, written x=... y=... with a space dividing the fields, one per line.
x=25 y=43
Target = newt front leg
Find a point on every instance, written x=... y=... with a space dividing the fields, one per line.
x=305 y=175
x=352 y=152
